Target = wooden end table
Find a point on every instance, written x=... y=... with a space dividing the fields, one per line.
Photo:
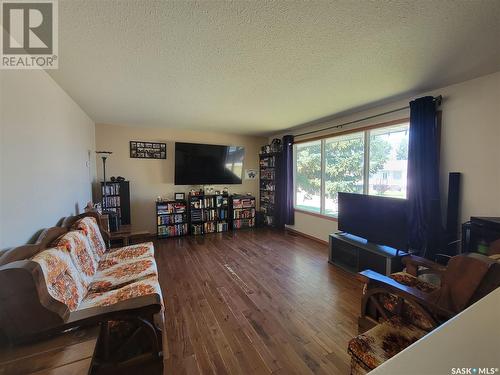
x=68 y=353
x=125 y=235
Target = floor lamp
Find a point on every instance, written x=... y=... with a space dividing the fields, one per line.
x=112 y=216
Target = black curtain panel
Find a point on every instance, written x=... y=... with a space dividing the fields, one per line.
x=423 y=177
x=285 y=191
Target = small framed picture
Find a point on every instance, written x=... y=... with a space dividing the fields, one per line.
x=180 y=196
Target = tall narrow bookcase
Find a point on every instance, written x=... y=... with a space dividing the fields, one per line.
x=118 y=199
x=242 y=211
x=268 y=175
x=171 y=219
x=208 y=213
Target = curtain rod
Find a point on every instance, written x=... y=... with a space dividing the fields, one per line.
x=438 y=99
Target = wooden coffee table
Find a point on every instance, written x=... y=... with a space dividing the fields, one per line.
x=67 y=353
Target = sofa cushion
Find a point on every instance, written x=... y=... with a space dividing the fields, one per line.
x=61 y=277
x=146 y=286
x=88 y=225
x=122 y=274
x=410 y=280
x=409 y=312
x=122 y=254
x=382 y=342
x=79 y=249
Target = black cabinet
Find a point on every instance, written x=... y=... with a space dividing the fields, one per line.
x=268 y=164
x=479 y=233
x=208 y=213
x=117 y=199
x=355 y=254
x=242 y=208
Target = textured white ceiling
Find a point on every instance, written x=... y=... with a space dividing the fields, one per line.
x=257 y=67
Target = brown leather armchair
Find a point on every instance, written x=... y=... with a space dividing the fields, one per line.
x=411 y=295
x=398 y=310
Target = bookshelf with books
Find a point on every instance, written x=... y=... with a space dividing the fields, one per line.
x=242 y=211
x=117 y=199
x=208 y=213
x=268 y=174
x=171 y=219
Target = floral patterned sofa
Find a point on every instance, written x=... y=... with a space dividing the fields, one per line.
x=69 y=279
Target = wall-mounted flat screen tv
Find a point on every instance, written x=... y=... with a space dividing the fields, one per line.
x=202 y=164
x=380 y=220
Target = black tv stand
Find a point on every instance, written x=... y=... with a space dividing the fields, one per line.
x=355 y=254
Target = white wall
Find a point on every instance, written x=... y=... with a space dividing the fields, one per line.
x=470 y=145
x=151 y=178
x=46 y=157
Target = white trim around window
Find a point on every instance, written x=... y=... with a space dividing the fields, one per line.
x=388 y=177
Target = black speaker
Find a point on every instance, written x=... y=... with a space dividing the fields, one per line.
x=452 y=212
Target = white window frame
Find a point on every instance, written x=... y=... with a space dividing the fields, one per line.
x=366 y=164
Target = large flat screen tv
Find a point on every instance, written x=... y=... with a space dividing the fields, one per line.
x=201 y=164
x=380 y=220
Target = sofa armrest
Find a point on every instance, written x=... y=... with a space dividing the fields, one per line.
x=143 y=305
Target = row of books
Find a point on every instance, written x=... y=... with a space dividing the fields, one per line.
x=171 y=219
x=196 y=229
x=111 y=201
x=243 y=223
x=267 y=185
x=213 y=214
x=267 y=208
x=266 y=197
x=215 y=227
x=173 y=230
x=268 y=162
x=267 y=173
x=243 y=202
x=112 y=188
x=115 y=209
x=171 y=208
x=244 y=214
x=215 y=201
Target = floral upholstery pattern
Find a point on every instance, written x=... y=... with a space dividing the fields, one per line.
x=61 y=277
x=409 y=312
x=380 y=343
x=81 y=254
x=120 y=255
x=410 y=280
x=81 y=274
x=122 y=274
x=88 y=225
x=146 y=286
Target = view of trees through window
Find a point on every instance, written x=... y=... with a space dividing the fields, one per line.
x=344 y=166
x=325 y=167
x=308 y=176
x=388 y=174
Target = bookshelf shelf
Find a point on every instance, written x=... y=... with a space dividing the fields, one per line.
x=171 y=219
x=118 y=199
x=242 y=211
x=208 y=213
x=268 y=164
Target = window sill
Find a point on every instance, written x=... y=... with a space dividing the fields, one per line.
x=322 y=216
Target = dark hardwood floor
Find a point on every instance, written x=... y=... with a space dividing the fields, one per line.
x=255 y=302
